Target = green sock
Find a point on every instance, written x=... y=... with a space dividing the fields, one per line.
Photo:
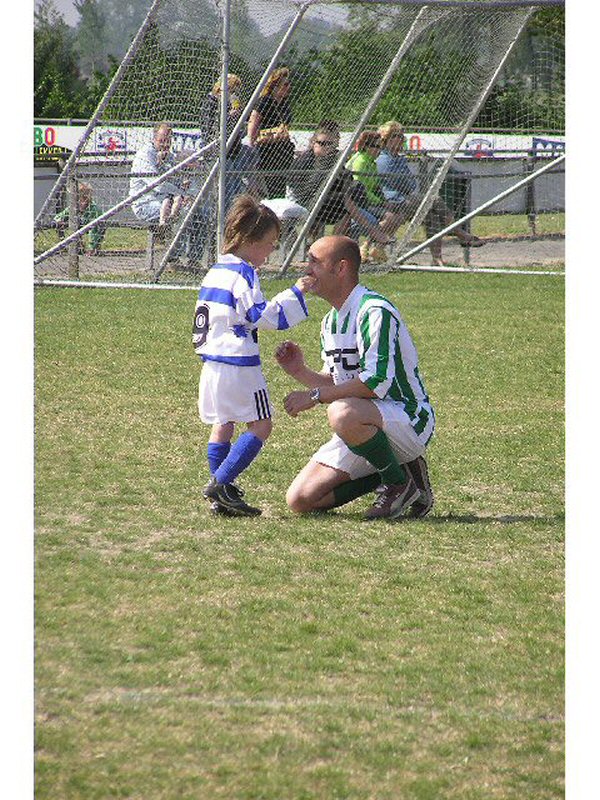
x=378 y=452
x=350 y=490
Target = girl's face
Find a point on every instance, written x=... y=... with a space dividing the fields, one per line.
x=257 y=252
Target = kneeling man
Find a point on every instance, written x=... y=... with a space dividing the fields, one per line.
x=377 y=405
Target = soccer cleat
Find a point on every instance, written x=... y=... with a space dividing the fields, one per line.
x=417 y=470
x=218 y=510
x=228 y=497
x=393 y=499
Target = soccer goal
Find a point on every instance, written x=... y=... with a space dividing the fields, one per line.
x=241 y=88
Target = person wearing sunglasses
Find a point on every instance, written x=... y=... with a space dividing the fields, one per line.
x=308 y=174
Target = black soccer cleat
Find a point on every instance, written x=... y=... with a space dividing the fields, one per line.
x=218 y=510
x=228 y=498
x=417 y=470
x=393 y=500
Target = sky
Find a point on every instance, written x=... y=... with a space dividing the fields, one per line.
x=67 y=9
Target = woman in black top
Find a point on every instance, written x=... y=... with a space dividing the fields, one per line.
x=268 y=131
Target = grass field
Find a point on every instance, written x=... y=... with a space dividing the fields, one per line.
x=180 y=656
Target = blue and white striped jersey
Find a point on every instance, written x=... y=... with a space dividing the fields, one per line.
x=231 y=307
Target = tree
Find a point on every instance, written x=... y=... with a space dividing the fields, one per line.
x=56 y=75
x=91 y=38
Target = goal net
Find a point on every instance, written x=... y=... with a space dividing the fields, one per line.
x=477 y=89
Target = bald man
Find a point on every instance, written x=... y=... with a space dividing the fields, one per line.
x=377 y=406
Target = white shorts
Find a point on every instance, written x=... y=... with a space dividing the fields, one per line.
x=148 y=211
x=406 y=444
x=232 y=394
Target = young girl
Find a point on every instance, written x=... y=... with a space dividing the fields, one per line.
x=229 y=310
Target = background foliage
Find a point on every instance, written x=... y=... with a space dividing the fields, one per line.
x=73 y=66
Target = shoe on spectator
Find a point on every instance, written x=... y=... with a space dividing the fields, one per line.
x=393 y=499
x=378 y=255
x=417 y=470
x=228 y=497
x=472 y=241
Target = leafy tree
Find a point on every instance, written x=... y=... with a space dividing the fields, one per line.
x=56 y=75
x=91 y=37
x=526 y=99
x=96 y=87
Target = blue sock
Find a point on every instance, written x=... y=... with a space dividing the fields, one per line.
x=217 y=453
x=241 y=455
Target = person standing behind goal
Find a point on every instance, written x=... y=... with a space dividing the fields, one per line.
x=377 y=406
x=229 y=310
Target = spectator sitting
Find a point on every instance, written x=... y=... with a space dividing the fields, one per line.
x=268 y=131
x=160 y=205
x=401 y=194
x=310 y=171
x=87 y=211
x=368 y=194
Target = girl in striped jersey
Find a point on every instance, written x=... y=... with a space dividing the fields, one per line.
x=229 y=310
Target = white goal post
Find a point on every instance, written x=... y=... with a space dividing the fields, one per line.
x=445 y=70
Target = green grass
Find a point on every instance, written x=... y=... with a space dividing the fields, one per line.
x=184 y=656
x=115 y=239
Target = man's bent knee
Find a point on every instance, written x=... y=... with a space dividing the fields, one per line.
x=299 y=500
x=342 y=413
x=346 y=416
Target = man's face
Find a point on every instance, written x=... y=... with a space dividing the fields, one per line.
x=325 y=144
x=162 y=140
x=323 y=266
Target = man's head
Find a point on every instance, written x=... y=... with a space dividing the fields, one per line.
x=326 y=139
x=334 y=262
x=163 y=134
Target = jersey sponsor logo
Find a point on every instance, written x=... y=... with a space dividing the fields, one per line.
x=339 y=356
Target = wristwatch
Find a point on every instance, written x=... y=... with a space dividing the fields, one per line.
x=315 y=395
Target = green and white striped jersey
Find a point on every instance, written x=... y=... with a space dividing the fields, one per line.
x=367 y=338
